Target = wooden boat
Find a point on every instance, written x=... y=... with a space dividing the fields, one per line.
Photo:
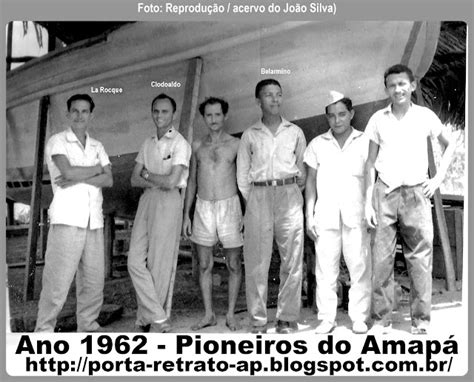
x=197 y=60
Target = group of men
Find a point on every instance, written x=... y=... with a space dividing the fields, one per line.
x=356 y=185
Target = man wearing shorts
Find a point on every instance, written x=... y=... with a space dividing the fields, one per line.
x=218 y=215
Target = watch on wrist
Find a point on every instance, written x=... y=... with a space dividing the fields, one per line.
x=146 y=175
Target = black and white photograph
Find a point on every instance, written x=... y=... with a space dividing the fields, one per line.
x=214 y=182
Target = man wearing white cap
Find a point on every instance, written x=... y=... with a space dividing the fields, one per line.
x=335 y=214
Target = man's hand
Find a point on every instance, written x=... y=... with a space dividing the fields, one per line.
x=99 y=168
x=301 y=182
x=62 y=182
x=187 y=227
x=311 y=229
x=430 y=186
x=144 y=173
x=370 y=215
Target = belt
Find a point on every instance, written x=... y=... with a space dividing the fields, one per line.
x=389 y=189
x=276 y=182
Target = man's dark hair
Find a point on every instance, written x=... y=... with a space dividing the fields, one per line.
x=164 y=96
x=81 y=97
x=397 y=69
x=263 y=83
x=214 y=101
x=346 y=101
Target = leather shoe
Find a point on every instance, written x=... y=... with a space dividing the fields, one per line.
x=359 y=327
x=144 y=328
x=258 y=329
x=380 y=329
x=286 y=327
x=421 y=329
x=325 y=327
x=160 y=327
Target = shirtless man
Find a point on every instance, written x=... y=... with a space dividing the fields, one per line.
x=218 y=214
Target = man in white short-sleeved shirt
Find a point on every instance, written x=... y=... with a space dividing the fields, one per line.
x=79 y=167
x=161 y=169
x=401 y=196
x=335 y=214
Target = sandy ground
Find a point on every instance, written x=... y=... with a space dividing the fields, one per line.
x=448 y=313
x=447 y=308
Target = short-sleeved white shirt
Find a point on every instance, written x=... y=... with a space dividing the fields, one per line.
x=79 y=205
x=160 y=155
x=402 y=159
x=339 y=180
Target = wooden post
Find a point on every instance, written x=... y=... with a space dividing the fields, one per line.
x=458 y=229
x=440 y=218
x=43 y=231
x=188 y=112
x=109 y=237
x=9 y=45
x=10 y=212
x=29 y=286
x=190 y=99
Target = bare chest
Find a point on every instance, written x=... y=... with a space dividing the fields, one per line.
x=216 y=154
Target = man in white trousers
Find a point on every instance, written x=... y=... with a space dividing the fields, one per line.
x=335 y=214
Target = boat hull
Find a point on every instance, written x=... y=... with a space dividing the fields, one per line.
x=312 y=57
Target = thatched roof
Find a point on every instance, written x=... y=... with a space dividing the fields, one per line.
x=444 y=85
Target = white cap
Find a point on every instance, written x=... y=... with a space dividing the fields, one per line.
x=333 y=97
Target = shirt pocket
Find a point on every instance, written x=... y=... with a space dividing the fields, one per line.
x=167 y=162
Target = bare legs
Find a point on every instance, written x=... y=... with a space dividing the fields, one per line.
x=206 y=263
x=234 y=266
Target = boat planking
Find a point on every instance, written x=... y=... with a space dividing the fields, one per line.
x=125 y=69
